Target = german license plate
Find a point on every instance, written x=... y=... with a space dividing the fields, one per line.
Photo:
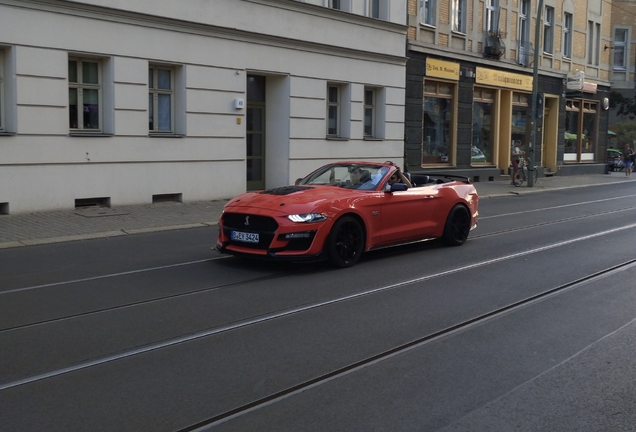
x=245 y=237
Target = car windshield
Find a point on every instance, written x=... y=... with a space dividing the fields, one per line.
x=349 y=176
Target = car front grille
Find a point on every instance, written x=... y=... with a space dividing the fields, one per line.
x=263 y=225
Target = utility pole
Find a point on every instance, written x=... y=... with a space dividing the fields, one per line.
x=535 y=94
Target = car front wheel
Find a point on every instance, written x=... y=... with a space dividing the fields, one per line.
x=345 y=243
x=457 y=226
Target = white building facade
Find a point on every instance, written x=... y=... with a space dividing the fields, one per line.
x=112 y=103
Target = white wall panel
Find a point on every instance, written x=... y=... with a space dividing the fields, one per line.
x=38 y=61
x=128 y=122
x=42 y=91
x=211 y=125
x=131 y=96
x=42 y=120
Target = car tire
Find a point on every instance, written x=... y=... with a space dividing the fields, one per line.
x=457 y=226
x=345 y=243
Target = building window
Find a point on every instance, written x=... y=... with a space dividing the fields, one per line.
x=369 y=112
x=160 y=99
x=491 y=16
x=581 y=122
x=548 y=30
x=333 y=110
x=459 y=15
x=593 y=42
x=620 y=49
x=335 y=4
x=374 y=8
x=437 y=136
x=2 y=81
x=427 y=12
x=483 y=126
x=85 y=94
x=567 y=35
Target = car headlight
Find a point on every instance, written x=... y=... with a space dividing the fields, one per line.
x=307 y=217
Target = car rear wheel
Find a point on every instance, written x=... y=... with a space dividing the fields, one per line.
x=457 y=226
x=345 y=243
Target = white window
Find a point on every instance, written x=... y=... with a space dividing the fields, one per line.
x=459 y=15
x=491 y=16
x=620 y=49
x=567 y=36
x=2 y=81
x=161 y=99
x=548 y=30
x=85 y=94
x=374 y=8
x=333 y=110
x=369 y=112
x=428 y=12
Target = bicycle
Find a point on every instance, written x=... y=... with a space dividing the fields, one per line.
x=522 y=173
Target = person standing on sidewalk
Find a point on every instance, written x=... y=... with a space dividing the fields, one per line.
x=628 y=157
x=515 y=156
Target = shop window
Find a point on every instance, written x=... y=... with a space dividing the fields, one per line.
x=437 y=137
x=519 y=116
x=483 y=126
x=581 y=131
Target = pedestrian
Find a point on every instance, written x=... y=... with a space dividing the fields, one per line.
x=628 y=158
x=515 y=155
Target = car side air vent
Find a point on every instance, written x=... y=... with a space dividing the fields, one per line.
x=285 y=190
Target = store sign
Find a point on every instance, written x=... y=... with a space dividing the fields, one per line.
x=589 y=87
x=442 y=69
x=503 y=79
x=575 y=81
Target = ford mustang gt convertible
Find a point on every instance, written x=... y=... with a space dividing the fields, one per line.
x=343 y=209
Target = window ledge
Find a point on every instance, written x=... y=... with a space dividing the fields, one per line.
x=370 y=138
x=3 y=133
x=90 y=134
x=165 y=135
x=333 y=138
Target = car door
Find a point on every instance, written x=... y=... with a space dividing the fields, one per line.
x=409 y=215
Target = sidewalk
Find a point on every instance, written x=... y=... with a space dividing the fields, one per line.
x=27 y=229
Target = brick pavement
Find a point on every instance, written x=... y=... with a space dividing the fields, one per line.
x=28 y=229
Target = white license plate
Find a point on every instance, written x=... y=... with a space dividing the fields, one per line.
x=245 y=237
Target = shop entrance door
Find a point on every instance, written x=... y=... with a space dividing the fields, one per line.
x=255 y=132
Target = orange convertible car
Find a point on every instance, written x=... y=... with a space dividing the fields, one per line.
x=343 y=209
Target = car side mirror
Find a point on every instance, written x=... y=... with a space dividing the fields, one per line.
x=297 y=182
x=397 y=187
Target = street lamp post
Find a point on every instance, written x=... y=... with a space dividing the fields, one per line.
x=535 y=93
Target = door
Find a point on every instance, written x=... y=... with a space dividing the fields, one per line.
x=255 y=132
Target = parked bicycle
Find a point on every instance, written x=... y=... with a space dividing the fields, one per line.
x=522 y=173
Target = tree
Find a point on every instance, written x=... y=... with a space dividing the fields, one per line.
x=626 y=107
x=626 y=133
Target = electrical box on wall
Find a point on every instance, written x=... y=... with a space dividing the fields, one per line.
x=239 y=103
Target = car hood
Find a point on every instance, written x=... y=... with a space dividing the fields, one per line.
x=293 y=199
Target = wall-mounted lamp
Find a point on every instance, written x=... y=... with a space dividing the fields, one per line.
x=606 y=47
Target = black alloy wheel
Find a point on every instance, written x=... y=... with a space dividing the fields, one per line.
x=457 y=226
x=345 y=243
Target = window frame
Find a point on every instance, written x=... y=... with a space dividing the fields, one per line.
x=80 y=86
x=490 y=15
x=337 y=105
x=428 y=12
x=155 y=92
x=3 y=107
x=548 y=30
x=458 y=10
x=524 y=28
x=568 y=20
x=620 y=46
x=335 y=4
x=374 y=111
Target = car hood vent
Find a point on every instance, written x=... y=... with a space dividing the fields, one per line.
x=285 y=190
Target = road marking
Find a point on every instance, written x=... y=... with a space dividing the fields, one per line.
x=299 y=309
x=557 y=207
x=110 y=275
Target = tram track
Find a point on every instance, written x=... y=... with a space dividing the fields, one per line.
x=255 y=320
x=210 y=422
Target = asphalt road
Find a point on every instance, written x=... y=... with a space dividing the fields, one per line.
x=530 y=326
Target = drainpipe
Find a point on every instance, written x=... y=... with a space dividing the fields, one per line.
x=535 y=92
